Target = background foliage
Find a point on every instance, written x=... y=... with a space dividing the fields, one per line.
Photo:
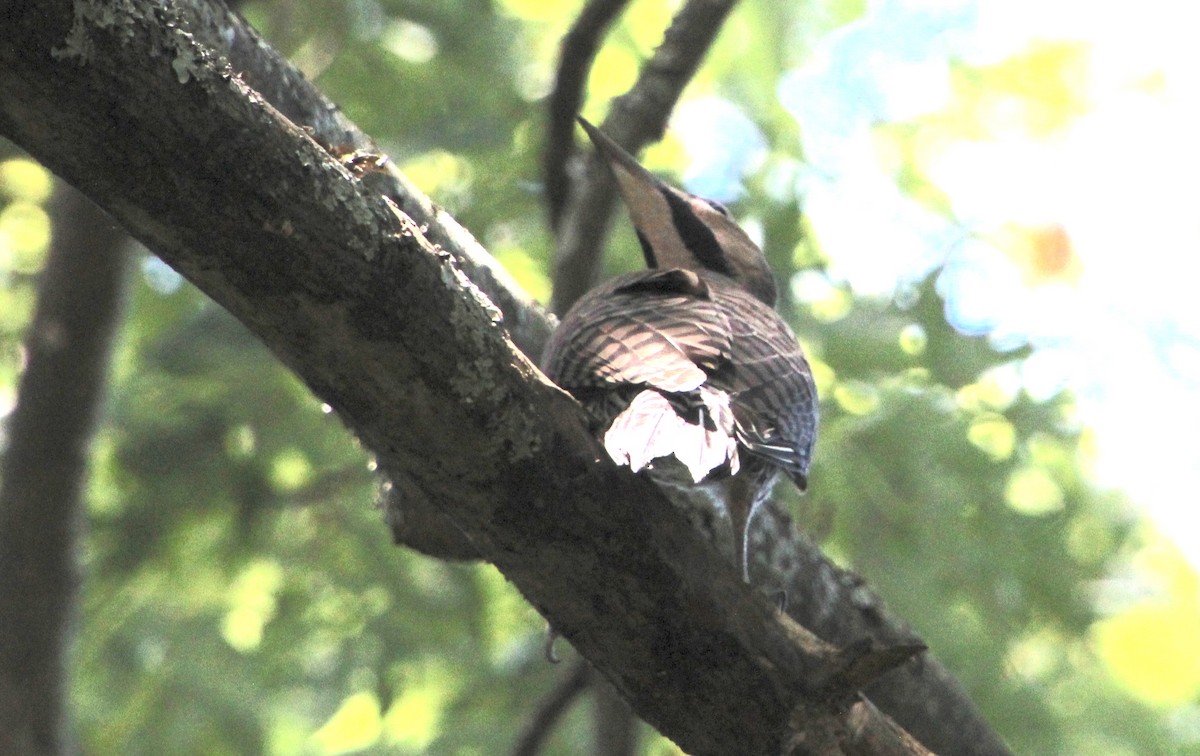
x=242 y=595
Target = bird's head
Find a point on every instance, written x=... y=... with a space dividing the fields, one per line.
x=681 y=230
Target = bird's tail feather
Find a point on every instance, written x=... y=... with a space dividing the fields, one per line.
x=652 y=427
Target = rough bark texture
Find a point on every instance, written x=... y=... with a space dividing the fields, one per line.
x=837 y=605
x=44 y=469
x=126 y=102
x=414 y=520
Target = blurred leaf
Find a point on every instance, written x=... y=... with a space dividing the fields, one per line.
x=354 y=726
x=22 y=179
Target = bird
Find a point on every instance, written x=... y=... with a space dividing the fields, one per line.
x=685 y=369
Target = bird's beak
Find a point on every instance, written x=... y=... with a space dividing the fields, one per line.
x=621 y=161
x=677 y=230
x=645 y=196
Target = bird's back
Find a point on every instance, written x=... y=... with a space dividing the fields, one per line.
x=685 y=363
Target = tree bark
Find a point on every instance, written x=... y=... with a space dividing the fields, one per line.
x=130 y=104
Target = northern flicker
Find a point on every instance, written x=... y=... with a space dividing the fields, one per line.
x=686 y=369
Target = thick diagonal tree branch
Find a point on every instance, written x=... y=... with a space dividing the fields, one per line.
x=211 y=26
x=128 y=104
x=414 y=521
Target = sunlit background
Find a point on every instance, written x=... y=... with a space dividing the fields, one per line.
x=1035 y=160
x=1042 y=158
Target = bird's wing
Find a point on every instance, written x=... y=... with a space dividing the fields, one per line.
x=773 y=395
x=657 y=329
x=675 y=331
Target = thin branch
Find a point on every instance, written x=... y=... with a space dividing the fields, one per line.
x=636 y=118
x=579 y=48
x=551 y=709
x=44 y=469
x=615 y=728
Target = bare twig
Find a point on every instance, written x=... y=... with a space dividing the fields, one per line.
x=551 y=708
x=575 y=61
x=636 y=117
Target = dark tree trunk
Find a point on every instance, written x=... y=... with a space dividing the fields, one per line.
x=44 y=470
